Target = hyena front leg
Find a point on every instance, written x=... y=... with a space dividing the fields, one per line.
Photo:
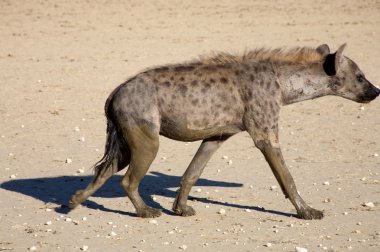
x=268 y=144
x=193 y=172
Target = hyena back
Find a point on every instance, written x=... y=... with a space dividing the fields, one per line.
x=211 y=100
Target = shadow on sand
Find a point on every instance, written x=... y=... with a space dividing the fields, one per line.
x=58 y=190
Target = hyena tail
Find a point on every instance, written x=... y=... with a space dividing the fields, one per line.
x=116 y=154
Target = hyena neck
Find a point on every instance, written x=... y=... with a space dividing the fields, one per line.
x=300 y=83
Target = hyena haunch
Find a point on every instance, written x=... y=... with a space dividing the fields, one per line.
x=212 y=99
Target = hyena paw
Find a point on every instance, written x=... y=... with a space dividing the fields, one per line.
x=184 y=211
x=76 y=199
x=149 y=212
x=310 y=214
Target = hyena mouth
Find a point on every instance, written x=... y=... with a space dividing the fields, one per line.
x=370 y=95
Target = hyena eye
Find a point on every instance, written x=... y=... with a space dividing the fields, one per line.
x=360 y=78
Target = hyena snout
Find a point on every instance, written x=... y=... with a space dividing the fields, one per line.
x=370 y=93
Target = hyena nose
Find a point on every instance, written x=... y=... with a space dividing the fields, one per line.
x=378 y=91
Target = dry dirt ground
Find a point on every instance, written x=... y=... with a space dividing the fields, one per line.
x=59 y=60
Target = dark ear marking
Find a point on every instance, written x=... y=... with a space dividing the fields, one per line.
x=329 y=64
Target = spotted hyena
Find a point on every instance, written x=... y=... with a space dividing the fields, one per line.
x=210 y=100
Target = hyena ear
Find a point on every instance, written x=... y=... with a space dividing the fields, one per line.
x=339 y=56
x=323 y=50
x=333 y=61
x=329 y=64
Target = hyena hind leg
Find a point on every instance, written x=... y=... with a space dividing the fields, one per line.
x=104 y=172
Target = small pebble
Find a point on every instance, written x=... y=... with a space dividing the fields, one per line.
x=326 y=183
x=80 y=171
x=225 y=157
x=198 y=190
x=300 y=249
x=345 y=213
x=229 y=162
x=68 y=161
x=112 y=234
x=76 y=129
x=33 y=248
x=48 y=223
x=13 y=176
x=369 y=204
x=268 y=245
x=248 y=210
x=273 y=187
x=82 y=139
x=68 y=219
x=153 y=222
x=184 y=247
x=222 y=211
x=84 y=248
x=375 y=155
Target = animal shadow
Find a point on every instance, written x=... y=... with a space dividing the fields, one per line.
x=58 y=190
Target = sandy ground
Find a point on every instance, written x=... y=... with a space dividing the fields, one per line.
x=59 y=60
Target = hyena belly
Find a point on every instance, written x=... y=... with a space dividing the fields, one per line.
x=196 y=103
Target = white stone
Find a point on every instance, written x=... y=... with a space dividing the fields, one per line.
x=326 y=183
x=184 y=247
x=68 y=161
x=222 y=211
x=225 y=157
x=198 y=190
x=80 y=171
x=268 y=245
x=76 y=129
x=273 y=187
x=13 y=176
x=68 y=219
x=229 y=162
x=300 y=249
x=369 y=204
x=48 y=223
x=112 y=233
x=84 y=248
x=33 y=248
x=153 y=222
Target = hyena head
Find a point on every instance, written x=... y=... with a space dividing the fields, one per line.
x=346 y=79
